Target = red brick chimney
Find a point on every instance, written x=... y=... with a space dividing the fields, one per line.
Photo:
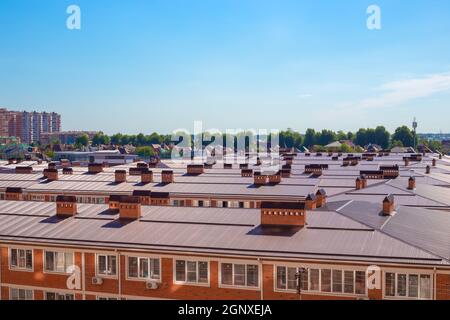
x=167 y=176
x=358 y=184
x=146 y=176
x=283 y=214
x=120 y=176
x=259 y=179
x=311 y=201
x=411 y=183
x=14 y=194
x=94 y=168
x=24 y=170
x=247 y=173
x=51 y=174
x=51 y=165
x=129 y=208
x=67 y=171
x=321 y=198
x=275 y=178
x=388 y=205
x=195 y=169
x=113 y=202
x=66 y=206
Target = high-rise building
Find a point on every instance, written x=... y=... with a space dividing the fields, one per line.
x=28 y=126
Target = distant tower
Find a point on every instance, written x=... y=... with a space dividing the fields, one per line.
x=414 y=125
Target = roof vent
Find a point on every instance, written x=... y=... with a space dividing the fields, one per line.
x=321 y=196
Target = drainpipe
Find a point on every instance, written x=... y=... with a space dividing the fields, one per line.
x=119 y=274
x=260 y=261
x=434 y=283
x=83 y=283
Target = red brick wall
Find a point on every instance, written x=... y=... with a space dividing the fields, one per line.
x=443 y=286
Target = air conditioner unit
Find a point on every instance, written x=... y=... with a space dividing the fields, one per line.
x=151 y=285
x=97 y=280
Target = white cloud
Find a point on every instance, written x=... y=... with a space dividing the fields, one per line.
x=398 y=92
x=305 y=95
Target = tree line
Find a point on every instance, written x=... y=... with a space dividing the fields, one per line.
x=402 y=137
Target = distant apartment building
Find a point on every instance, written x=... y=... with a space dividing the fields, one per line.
x=28 y=126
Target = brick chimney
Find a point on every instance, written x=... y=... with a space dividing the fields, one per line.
x=411 y=183
x=95 y=168
x=259 y=179
x=129 y=208
x=283 y=214
x=145 y=196
x=51 y=165
x=363 y=181
x=113 y=202
x=311 y=201
x=388 y=205
x=358 y=184
x=14 y=194
x=428 y=170
x=66 y=206
x=51 y=174
x=167 y=176
x=275 y=178
x=142 y=165
x=23 y=170
x=146 y=176
x=285 y=173
x=195 y=169
x=321 y=198
x=434 y=162
x=67 y=171
x=406 y=162
x=120 y=176
x=440 y=156
x=246 y=173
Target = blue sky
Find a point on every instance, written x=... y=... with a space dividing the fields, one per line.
x=158 y=65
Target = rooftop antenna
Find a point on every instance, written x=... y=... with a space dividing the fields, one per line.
x=414 y=125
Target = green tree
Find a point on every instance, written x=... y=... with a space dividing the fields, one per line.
x=82 y=140
x=310 y=138
x=382 y=137
x=361 y=137
x=145 y=151
x=405 y=135
x=326 y=137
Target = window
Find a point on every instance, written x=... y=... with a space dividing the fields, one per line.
x=143 y=268
x=322 y=280
x=58 y=296
x=21 y=259
x=417 y=286
x=241 y=275
x=21 y=294
x=106 y=265
x=191 y=271
x=58 y=261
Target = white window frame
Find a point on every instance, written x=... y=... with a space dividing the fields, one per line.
x=237 y=262
x=102 y=275
x=138 y=278
x=17 y=268
x=14 y=288
x=44 y=263
x=58 y=293
x=186 y=260
x=320 y=268
x=418 y=273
